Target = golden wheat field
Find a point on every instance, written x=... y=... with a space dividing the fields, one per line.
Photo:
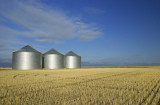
x=85 y=86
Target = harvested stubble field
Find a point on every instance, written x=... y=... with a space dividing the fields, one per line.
x=86 y=86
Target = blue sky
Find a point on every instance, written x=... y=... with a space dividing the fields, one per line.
x=103 y=32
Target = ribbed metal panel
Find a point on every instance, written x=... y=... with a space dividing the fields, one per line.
x=72 y=60
x=53 y=60
x=26 y=60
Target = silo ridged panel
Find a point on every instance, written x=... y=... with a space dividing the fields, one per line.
x=25 y=60
x=72 y=60
x=53 y=60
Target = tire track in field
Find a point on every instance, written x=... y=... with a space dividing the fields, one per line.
x=156 y=91
x=90 y=80
x=23 y=75
x=78 y=77
x=126 y=101
x=19 y=75
x=158 y=102
x=149 y=94
x=71 y=84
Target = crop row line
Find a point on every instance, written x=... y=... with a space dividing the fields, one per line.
x=156 y=91
x=149 y=94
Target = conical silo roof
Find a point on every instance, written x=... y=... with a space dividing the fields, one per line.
x=53 y=51
x=27 y=48
x=71 y=53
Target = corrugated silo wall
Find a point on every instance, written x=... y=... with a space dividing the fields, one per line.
x=53 y=61
x=26 y=60
x=72 y=61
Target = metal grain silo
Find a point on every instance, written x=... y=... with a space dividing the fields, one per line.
x=26 y=58
x=53 y=59
x=72 y=60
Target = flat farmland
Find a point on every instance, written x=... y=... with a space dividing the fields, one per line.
x=85 y=86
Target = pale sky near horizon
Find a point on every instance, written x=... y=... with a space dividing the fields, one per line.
x=103 y=32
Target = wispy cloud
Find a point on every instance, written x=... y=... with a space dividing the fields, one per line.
x=86 y=32
x=46 y=24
